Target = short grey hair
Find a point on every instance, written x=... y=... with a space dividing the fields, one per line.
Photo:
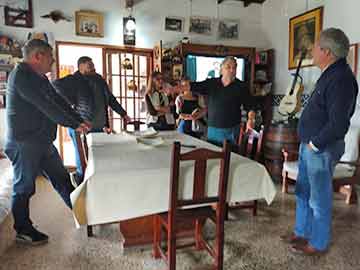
x=228 y=59
x=336 y=41
x=35 y=46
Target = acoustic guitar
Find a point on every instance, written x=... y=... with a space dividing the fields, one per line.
x=291 y=102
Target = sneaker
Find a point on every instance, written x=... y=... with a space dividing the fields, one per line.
x=73 y=179
x=32 y=237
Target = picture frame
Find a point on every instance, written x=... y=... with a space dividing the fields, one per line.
x=201 y=25
x=263 y=58
x=304 y=30
x=352 y=57
x=177 y=71
x=228 y=29
x=175 y=24
x=89 y=23
x=19 y=13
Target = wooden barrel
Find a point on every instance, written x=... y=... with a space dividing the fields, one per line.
x=277 y=137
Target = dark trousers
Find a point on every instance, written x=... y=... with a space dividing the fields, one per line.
x=30 y=160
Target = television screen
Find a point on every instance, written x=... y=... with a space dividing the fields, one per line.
x=199 y=68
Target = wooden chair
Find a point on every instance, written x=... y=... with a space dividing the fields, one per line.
x=196 y=210
x=135 y=123
x=346 y=175
x=82 y=148
x=249 y=144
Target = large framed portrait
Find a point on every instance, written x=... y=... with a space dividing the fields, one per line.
x=304 y=30
x=18 y=13
x=352 y=57
x=89 y=23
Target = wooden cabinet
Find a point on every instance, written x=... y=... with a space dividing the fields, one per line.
x=258 y=68
x=263 y=83
x=4 y=73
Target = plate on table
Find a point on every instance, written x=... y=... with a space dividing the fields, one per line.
x=154 y=141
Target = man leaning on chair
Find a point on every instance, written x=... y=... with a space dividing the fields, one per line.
x=33 y=111
x=322 y=128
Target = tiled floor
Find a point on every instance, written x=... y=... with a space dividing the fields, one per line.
x=251 y=242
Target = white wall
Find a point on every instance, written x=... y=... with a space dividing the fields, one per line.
x=276 y=15
x=149 y=16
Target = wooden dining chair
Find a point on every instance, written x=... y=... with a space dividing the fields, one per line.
x=249 y=144
x=195 y=210
x=135 y=123
x=82 y=148
x=346 y=175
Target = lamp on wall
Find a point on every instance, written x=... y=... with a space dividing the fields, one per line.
x=129 y=25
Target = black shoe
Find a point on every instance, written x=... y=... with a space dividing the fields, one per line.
x=32 y=237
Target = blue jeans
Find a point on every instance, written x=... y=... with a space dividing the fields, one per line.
x=185 y=127
x=30 y=160
x=79 y=170
x=218 y=135
x=314 y=193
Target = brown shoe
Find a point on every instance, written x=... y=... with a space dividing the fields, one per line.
x=292 y=238
x=306 y=250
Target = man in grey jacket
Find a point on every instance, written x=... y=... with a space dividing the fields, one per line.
x=33 y=111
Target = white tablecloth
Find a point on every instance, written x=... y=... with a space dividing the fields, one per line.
x=125 y=179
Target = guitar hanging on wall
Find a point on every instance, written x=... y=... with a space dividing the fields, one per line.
x=291 y=102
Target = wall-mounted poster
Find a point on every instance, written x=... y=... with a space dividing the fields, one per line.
x=228 y=29
x=304 y=30
x=200 y=25
x=18 y=13
x=175 y=24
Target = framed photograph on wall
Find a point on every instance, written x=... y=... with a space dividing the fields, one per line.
x=228 y=29
x=177 y=71
x=175 y=24
x=352 y=58
x=304 y=30
x=89 y=23
x=201 y=25
x=18 y=13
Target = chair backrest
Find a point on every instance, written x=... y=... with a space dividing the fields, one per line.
x=82 y=148
x=250 y=142
x=135 y=123
x=200 y=157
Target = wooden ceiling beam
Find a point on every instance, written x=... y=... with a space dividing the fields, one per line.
x=246 y=2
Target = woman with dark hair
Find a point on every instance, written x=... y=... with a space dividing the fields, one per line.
x=159 y=109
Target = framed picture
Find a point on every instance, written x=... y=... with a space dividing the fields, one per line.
x=174 y=24
x=352 y=57
x=177 y=71
x=18 y=13
x=200 y=25
x=228 y=29
x=304 y=30
x=89 y=23
x=263 y=58
x=129 y=30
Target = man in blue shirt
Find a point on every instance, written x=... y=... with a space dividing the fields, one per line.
x=33 y=111
x=322 y=128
